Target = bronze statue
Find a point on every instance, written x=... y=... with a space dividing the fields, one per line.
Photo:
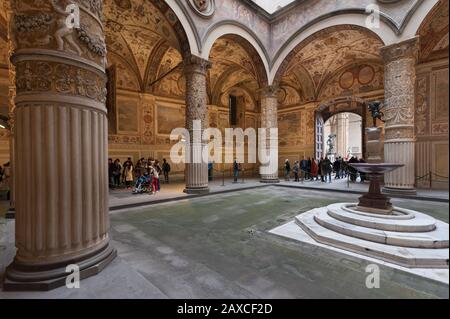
x=375 y=108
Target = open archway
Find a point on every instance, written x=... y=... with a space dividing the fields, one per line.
x=335 y=70
x=235 y=78
x=332 y=110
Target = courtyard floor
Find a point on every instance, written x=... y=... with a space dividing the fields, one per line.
x=124 y=199
x=218 y=246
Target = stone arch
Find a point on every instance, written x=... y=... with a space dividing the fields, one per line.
x=182 y=24
x=433 y=32
x=418 y=17
x=249 y=40
x=385 y=34
x=356 y=105
x=284 y=57
x=328 y=109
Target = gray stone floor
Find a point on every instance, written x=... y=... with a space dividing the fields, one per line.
x=219 y=247
x=174 y=191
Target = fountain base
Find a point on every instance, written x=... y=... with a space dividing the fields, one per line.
x=406 y=238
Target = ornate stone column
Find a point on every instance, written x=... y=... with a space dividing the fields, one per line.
x=195 y=70
x=399 y=84
x=61 y=144
x=269 y=119
x=11 y=96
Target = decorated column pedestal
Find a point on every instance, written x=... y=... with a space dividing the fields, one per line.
x=61 y=142
x=195 y=70
x=269 y=120
x=399 y=147
x=373 y=144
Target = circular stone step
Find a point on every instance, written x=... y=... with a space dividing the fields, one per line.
x=404 y=256
x=438 y=238
x=415 y=223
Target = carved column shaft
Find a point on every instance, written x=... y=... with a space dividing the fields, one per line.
x=61 y=139
x=269 y=119
x=400 y=76
x=11 y=107
x=195 y=70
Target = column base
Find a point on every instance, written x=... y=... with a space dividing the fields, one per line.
x=11 y=214
x=196 y=191
x=399 y=191
x=43 y=278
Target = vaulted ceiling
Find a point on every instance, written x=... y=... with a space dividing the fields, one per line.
x=234 y=71
x=316 y=60
x=138 y=36
x=3 y=36
x=434 y=33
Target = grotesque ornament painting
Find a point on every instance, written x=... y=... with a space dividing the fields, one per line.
x=204 y=8
x=201 y=5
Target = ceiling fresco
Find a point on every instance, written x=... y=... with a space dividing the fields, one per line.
x=315 y=61
x=134 y=30
x=3 y=37
x=434 y=32
x=234 y=71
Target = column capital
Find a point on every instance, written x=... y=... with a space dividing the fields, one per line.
x=269 y=91
x=195 y=64
x=406 y=49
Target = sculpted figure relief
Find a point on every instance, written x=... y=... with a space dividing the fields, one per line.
x=64 y=33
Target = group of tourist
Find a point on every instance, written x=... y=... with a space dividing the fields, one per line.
x=144 y=174
x=323 y=169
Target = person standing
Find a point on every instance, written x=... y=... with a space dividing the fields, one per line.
x=303 y=167
x=159 y=171
x=210 y=171
x=117 y=171
x=337 y=168
x=235 y=170
x=308 y=168
x=295 y=169
x=287 y=169
x=166 y=170
x=110 y=172
x=155 y=178
x=128 y=173
x=321 y=171
x=326 y=169
x=314 y=170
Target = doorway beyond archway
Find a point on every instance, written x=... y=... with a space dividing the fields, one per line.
x=330 y=110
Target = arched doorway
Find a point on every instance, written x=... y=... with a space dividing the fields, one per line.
x=234 y=80
x=344 y=130
x=330 y=111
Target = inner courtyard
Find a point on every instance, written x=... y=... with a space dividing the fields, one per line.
x=92 y=91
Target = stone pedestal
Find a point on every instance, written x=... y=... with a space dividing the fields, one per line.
x=195 y=70
x=269 y=119
x=400 y=75
x=61 y=145
x=373 y=145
